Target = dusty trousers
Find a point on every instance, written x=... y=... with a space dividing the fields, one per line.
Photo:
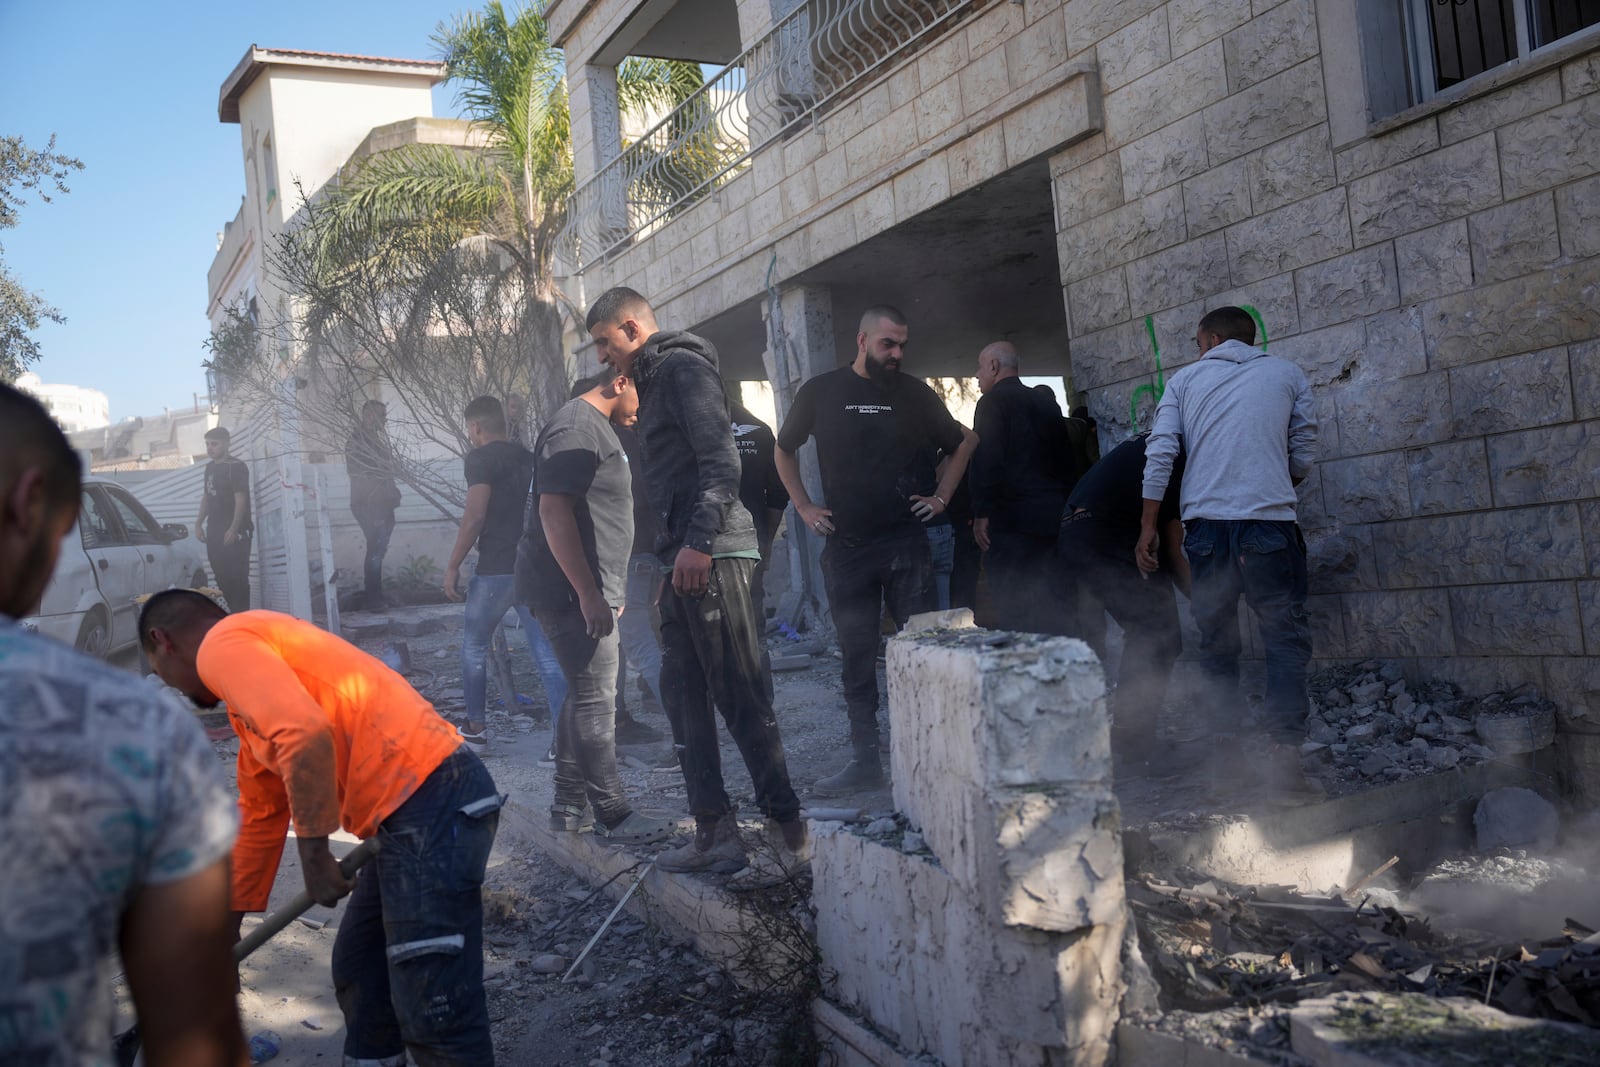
x=586 y=733
x=711 y=651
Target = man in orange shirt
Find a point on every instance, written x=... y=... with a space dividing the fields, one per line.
x=331 y=737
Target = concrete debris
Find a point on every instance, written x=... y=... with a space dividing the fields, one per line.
x=1375 y=727
x=1515 y=816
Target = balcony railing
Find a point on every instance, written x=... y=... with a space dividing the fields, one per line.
x=814 y=58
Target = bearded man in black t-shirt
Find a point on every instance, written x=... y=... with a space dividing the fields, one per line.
x=874 y=427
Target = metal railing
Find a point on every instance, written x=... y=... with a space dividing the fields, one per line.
x=812 y=59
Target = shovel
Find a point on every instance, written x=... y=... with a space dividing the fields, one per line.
x=125 y=1046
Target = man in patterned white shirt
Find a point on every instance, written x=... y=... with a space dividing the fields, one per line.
x=115 y=815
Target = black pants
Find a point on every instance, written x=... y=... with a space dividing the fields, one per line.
x=1026 y=584
x=861 y=577
x=586 y=742
x=1100 y=559
x=711 y=651
x=230 y=564
x=964 y=572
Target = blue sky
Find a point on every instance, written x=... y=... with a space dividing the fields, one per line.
x=131 y=90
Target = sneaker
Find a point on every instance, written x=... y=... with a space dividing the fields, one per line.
x=571 y=818
x=858 y=776
x=636 y=829
x=631 y=731
x=478 y=738
x=549 y=759
x=783 y=856
x=714 y=849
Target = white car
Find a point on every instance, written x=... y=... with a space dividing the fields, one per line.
x=113 y=558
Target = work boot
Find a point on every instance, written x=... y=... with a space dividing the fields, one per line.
x=862 y=774
x=714 y=849
x=784 y=855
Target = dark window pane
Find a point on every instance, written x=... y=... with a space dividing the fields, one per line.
x=1555 y=19
x=1471 y=36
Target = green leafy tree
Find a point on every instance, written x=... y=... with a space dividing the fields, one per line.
x=508 y=196
x=24 y=170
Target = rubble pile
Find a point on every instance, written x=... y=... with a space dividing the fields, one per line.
x=1368 y=726
x=1212 y=946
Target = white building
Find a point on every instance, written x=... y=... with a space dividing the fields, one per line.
x=74 y=406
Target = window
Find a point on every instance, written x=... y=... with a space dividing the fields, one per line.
x=95 y=523
x=1453 y=41
x=1411 y=50
x=141 y=528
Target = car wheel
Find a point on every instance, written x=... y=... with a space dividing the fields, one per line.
x=94 y=637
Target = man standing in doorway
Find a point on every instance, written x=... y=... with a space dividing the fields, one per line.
x=875 y=428
x=1020 y=479
x=224 y=523
x=1247 y=423
x=374 y=496
x=498 y=473
x=711 y=640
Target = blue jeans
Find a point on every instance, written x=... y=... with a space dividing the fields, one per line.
x=942 y=543
x=408 y=959
x=489 y=596
x=1265 y=562
x=377 y=529
x=639 y=643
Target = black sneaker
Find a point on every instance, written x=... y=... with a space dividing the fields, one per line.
x=549 y=759
x=478 y=739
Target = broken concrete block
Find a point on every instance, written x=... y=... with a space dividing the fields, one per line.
x=356 y=628
x=1515 y=816
x=415 y=625
x=1365 y=731
x=903 y=945
x=791 y=662
x=949 y=619
x=1001 y=755
x=1394 y=1029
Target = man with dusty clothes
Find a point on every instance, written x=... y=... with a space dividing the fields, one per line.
x=711 y=639
x=874 y=428
x=1096 y=542
x=572 y=570
x=330 y=737
x=114 y=813
x=369 y=461
x=1247 y=422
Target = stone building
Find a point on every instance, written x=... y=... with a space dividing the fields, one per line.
x=1408 y=194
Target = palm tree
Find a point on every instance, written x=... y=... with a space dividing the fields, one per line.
x=509 y=195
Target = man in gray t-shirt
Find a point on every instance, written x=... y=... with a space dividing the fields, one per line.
x=114 y=811
x=572 y=569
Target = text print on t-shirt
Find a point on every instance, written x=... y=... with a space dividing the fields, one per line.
x=869 y=409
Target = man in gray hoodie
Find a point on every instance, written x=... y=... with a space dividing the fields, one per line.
x=1248 y=427
x=706 y=544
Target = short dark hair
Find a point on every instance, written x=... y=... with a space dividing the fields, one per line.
x=217 y=433
x=174 y=610
x=29 y=437
x=1231 y=324
x=370 y=404
x=584 y=385
x=488 y=411
x=616 y=304
x=882 y=311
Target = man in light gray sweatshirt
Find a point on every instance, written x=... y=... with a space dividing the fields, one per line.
x=1249 y=430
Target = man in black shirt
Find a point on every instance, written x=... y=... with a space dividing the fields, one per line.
x=1019 y=483
x=572 y=569
x=874 y=429
x=498 y=473
x=224 y=522
x=369 y=460
x=711 y=640
x=1097 y=541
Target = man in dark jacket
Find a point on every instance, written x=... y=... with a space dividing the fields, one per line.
x=1020 y=480
x=711 y=639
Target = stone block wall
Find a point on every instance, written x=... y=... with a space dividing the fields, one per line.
x=1436 y=275
x=998 y=938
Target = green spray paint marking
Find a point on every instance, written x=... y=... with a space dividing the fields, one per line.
x=1159 y=388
